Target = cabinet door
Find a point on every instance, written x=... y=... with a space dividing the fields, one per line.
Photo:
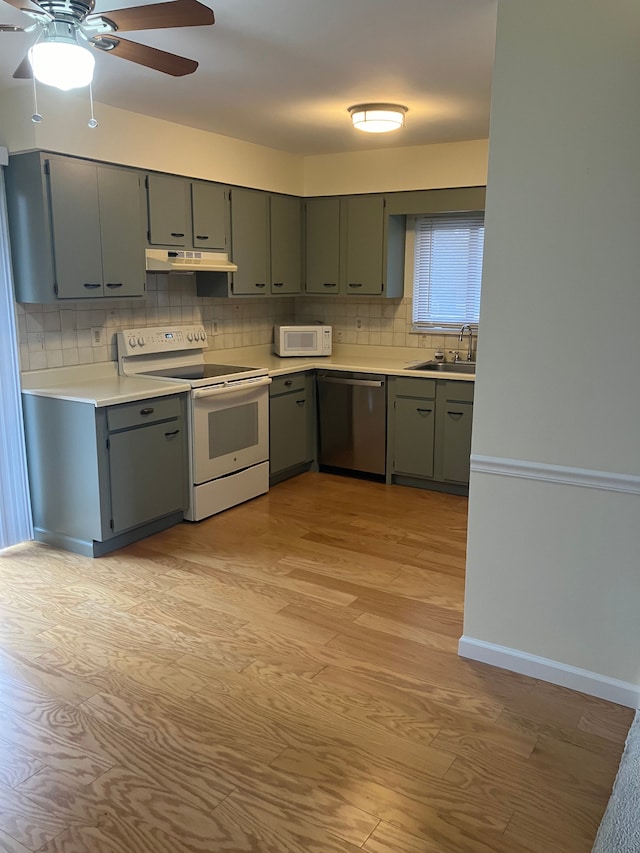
x=322 y=227
x=456 y=441
x=209 y=216
x=121 y=232
x=168 y=203
x=364 y=220
x=75 y=222
x=286 y=249
x=288 y=431
x=147 y=469
x=414 y=436
x=250 y=241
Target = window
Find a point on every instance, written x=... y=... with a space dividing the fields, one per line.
x=447 y=269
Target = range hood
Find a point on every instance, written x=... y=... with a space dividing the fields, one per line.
x=171 y=260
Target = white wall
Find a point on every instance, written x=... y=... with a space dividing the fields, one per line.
x=553 y=568
x=424 y=167
x=136 y=140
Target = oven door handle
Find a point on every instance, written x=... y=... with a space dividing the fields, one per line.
x=222 y=390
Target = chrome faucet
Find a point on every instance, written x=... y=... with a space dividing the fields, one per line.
x=470 y=352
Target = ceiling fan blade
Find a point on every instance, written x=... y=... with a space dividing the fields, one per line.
x=9 y=28
x=24 y=70
x=142 y=54
x=176 y=13
x=30 y=7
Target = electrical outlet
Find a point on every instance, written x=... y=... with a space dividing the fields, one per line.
x=216 y=327
x=339 y=336
x=97 y=336
x=359 y=323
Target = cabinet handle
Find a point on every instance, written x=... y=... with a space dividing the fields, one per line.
x=260 y=284
x=355 y=284
x=329 y=284
x=176 y=234
x=288 y=382
x=459 y=414
x=114 y=284
x=90 y=285
x=147 y=411
x=301 y=402
x=202 y=236
x=278 y=284
x=171 y=434
x=426 y=411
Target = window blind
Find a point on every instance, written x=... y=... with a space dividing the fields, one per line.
x=448 y=269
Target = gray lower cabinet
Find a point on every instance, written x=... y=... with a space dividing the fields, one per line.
x=453 y=430
x=101 y=478
x=76 y=229
x=429 y=431
x=291 y=425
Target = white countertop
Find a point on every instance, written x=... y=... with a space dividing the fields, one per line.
x=392 y=361
x=100 y=385
x=96 y=384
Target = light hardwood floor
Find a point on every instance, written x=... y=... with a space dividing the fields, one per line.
x=282 y=678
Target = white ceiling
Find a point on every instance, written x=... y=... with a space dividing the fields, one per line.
x=283 y=73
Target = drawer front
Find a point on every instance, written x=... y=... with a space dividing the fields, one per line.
x=462 y=391
x=142 y=412
x=286 y=384
x=406 y=387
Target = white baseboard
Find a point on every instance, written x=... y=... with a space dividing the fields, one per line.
x=582 y=680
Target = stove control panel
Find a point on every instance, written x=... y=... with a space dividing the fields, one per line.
x=155 y=339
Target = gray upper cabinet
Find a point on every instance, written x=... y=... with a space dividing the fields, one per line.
x=168 y=205
x=250 y=241
x=187 y=214
x=364 y=236
x=286 y=244
x=209 y=215
x=322 y=240
x=265 y=245
x=76 y=229
x=121 y=233
x=353 y=248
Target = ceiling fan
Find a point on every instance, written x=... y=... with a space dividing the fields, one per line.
x=67 y=28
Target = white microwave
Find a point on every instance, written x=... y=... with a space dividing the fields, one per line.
x=302 y=340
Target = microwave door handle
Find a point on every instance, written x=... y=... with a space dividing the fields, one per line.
x=223 y=390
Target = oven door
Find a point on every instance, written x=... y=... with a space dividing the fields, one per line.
x=230 y=428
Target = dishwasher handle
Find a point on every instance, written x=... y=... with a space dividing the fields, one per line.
x=366 y=383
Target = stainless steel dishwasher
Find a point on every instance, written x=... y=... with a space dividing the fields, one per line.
x=352 y=421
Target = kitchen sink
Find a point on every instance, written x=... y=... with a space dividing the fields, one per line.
x=445 y=366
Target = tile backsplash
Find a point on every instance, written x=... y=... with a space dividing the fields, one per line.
x=84 y=331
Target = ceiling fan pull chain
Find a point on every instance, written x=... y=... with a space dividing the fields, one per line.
x=36 y=118
x=92 y=121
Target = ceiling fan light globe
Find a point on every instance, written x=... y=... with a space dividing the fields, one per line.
x=63 y=64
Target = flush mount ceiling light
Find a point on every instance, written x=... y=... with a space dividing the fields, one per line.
x=378 y=118
x=58 y=60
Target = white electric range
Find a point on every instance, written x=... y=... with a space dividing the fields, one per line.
x=228 y=413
